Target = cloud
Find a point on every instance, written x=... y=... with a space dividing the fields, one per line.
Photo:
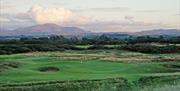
x=150 y=11
x=4 y=5
x=13 y=21
x=122 y=26
x=129 y=18
x=55 y=15
x=66 y=17
x=110 y=9
x=40 y=15
x=4 y=19
x=14 y=17
x=50 y=15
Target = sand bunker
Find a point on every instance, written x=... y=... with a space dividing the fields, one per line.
x=49 y=69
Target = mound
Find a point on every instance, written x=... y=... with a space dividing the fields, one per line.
x=49 y=69
x=7 y=65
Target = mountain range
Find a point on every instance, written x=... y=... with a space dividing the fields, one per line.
x=170 y=32
x=53 y=29
x=43 y=29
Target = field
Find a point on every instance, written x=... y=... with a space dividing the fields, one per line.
x=111 y=70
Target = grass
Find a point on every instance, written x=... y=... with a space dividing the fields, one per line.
x=85 y=65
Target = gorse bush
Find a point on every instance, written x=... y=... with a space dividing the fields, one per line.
x=143 y=48
x=23 y=48
x=147 y=48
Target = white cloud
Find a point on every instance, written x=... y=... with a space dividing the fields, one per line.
x=51 y=15
x=55 y=15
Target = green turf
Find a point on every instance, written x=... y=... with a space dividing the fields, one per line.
x=77 y=68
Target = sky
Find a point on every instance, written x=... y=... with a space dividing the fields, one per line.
x=92 y=15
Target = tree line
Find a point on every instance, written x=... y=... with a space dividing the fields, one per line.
x=61 y=43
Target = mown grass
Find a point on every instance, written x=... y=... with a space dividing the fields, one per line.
x=86 y=65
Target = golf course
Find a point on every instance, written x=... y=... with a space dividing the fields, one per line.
x=90 y=70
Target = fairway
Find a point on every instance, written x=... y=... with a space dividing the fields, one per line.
x=83 y=65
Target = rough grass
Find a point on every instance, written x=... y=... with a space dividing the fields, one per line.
x=109 y=55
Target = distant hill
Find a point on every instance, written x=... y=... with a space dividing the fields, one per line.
x=53 y=29
x=117 y=35
x=44 y=29
x=5 y=32
x=2 y=30
x=169 y=32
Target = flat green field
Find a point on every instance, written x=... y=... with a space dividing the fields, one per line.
x=85 y=65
